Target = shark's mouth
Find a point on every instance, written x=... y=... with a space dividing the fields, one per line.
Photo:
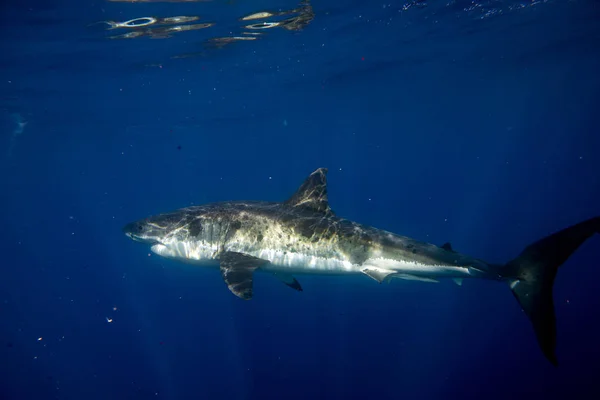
x=160 y=249
x=140 y=239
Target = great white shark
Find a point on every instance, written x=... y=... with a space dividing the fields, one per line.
x=302 y=235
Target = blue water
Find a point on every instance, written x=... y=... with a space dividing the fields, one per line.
x=463 y=121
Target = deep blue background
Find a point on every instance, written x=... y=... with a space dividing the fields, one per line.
x=434 y=122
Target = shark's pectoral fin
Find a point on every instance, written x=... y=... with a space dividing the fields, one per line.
x=288 y=280
x=237 y=270
x=379 y=274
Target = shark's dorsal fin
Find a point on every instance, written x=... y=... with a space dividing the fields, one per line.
x=312 y=193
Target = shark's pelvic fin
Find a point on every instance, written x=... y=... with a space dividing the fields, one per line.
x=386 y=275
x=458 y=281
x=448 y=247
x=379 y=274
x=409 y=277
x=288 y=279
x=312 y=193
x=237 y=270
x=534 y=271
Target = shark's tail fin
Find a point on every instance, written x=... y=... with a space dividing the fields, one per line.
x=534 y=271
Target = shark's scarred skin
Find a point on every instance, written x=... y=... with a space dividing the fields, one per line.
x=303 y=236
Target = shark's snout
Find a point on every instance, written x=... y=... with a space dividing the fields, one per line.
x=132 y=228
x=139 y=232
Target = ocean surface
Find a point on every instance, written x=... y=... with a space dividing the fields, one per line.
x=469 y=122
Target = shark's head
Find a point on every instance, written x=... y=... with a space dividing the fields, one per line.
x=153 y=230
x=170 y=235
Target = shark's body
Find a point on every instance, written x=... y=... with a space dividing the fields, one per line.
x=302 y=241
x=303 y=236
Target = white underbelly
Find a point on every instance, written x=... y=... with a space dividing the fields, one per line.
x=204 y=254
x=297 y=263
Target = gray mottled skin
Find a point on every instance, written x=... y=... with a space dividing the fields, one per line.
x=303 y=235
x=247 y=227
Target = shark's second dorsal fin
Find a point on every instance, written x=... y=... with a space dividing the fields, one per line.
x=313 y=193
